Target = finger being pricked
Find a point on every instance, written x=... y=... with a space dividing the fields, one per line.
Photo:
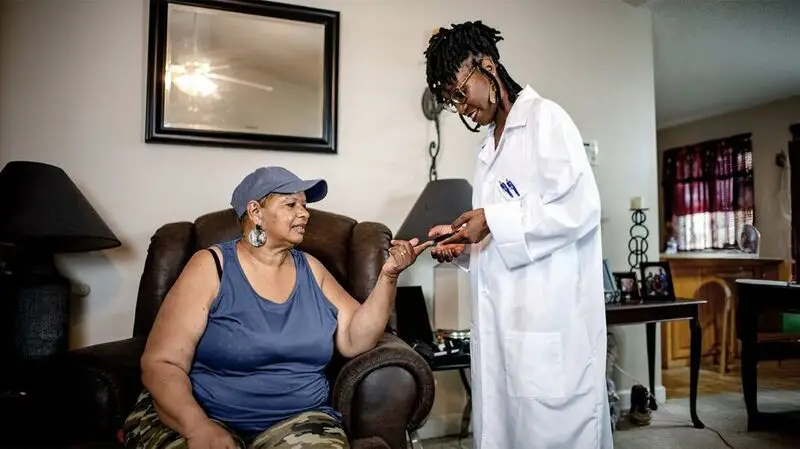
x=412 y=246
x=418 y=249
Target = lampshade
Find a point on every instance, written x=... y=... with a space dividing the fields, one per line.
x=441 y=202
x=41 y=206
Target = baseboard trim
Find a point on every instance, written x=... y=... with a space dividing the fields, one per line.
x=625 y=397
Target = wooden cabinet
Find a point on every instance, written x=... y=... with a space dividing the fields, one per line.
x=704 y=278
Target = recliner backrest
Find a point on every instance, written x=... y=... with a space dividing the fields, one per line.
x=353 y=252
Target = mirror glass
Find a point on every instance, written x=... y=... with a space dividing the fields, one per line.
x=232 y=72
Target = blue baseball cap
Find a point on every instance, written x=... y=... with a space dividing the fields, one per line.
x=266 y=180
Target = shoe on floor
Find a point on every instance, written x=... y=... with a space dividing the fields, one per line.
x=640 y=413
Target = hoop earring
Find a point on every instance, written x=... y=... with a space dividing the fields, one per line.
x=257 y=237
x=492 y=95
x=464 y=121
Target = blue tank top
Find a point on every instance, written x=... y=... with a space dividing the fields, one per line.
x=260 y=362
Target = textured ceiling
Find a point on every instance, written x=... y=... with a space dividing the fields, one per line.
x=713 y=57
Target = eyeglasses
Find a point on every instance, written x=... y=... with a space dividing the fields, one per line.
x=458 y=96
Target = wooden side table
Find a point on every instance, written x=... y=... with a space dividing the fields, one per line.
x=652 y=312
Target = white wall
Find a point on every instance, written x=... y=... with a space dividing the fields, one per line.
x=72 y=88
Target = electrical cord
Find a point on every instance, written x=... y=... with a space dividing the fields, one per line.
x=662 y=407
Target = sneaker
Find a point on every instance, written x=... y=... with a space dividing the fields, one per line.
x=639 y=413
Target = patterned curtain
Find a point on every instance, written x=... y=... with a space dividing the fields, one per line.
x=708 y=192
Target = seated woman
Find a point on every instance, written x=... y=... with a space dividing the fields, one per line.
x=239 y=349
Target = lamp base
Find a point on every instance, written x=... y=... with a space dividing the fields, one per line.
x=34 y=340
x=34 y=310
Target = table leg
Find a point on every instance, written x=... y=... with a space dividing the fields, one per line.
x=651 y=363
x=467 y=413
x=750 y=374
x=694 y=374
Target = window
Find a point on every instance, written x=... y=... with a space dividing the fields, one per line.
x=708 y=192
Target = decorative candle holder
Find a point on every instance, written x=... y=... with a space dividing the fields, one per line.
x=637 y=245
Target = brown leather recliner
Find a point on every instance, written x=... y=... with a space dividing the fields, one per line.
x=382 y=393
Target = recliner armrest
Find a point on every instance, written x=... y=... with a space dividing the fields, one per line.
x=105 y=380
x=384 y=391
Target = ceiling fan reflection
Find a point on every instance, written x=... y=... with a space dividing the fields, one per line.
x=196 y=79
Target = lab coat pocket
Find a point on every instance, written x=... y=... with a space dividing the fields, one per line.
x=534 y=364
x=508 y=191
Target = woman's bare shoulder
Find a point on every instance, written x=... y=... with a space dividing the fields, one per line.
x=317 y=268
x=202 y=260
x=199 y=277
x=217 y=250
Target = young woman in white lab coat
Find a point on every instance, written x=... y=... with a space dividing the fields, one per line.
x=535 y=256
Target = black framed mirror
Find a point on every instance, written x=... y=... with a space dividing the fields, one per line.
x=242 y=74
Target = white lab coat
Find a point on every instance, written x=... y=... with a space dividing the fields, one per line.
x=538 y=330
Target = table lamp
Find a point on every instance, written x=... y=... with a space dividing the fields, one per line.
x=43 y=213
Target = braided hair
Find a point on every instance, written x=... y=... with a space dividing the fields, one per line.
x=450 y=47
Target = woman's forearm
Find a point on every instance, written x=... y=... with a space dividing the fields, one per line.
x=172 y=395
x=369 y=320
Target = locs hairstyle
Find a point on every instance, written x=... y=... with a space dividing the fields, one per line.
x=450 y=47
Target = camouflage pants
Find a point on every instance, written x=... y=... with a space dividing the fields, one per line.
x=310 y=430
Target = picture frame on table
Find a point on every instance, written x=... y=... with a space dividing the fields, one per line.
x=628 y=285
x=656 y=280
x=611 y=292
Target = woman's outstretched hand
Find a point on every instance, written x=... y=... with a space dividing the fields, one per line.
x=402 y=254
x=445 y=252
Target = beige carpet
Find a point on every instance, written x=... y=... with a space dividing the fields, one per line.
x=671 y=426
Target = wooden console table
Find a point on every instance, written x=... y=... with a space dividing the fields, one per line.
x=652 y=312
x=696 y=276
